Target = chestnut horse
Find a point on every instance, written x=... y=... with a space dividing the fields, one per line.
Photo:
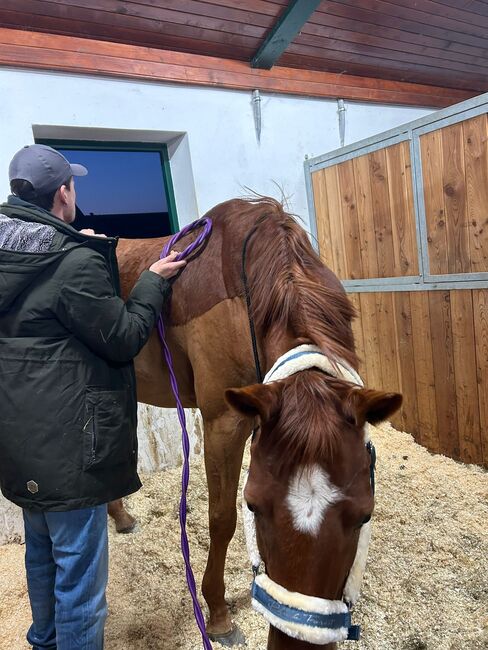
x=310 y=423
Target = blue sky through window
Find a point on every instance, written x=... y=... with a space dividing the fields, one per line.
x=119 y=182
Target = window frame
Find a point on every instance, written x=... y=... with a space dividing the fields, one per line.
x=109 y=145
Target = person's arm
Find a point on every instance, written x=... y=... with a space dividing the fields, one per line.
x=103 y=322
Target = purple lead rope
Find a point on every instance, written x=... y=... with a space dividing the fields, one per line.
x=206 y=225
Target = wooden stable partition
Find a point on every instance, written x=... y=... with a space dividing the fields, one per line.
x=402 y=219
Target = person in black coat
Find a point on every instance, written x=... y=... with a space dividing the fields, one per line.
x=68 y=408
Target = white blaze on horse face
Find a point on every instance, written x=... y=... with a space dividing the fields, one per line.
x=310 y=494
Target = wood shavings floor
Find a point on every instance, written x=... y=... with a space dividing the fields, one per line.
x=425 y=588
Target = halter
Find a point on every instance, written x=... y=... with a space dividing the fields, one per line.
x=310 y=619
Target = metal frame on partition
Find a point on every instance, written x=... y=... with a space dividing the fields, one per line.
x=408 y=132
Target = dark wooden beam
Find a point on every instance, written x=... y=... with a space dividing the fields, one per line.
x=284 y=31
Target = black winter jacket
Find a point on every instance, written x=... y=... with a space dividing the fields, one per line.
x=68 y=409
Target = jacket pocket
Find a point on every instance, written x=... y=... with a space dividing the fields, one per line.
x=108 y=436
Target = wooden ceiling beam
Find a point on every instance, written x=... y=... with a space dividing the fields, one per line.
x=35 y=50
x=284 y=31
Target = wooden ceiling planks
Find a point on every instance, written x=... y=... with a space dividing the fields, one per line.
x=63 y=53
x=395 y=40
x=183 y=25
x=431 y=42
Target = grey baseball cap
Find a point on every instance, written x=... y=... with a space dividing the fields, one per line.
x=44 y=167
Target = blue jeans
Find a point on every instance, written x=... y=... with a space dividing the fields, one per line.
x=66 y=559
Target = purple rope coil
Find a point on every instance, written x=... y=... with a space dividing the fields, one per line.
x=206 y=225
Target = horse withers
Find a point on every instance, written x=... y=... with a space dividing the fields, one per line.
x=309 y=483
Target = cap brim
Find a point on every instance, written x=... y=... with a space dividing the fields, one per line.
x=78 y=170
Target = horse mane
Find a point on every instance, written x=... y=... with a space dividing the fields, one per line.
x=291 y=288
x=294 y=293
x=306 y=435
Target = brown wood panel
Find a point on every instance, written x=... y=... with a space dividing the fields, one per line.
x=357 y=331
x=389 y=353
x=54 y=52
x=337 y=61
x=431 y=152
x=339 y=29
x=364 y=199
x=412 y=18
x=372 y=347
x=315 y=45
x=406 y=363
x=394 y=32
x=349 y=220
x=254 y=12
x=475 y=143
x=321 y=208
x=453 y=182
x=146 y=19
x=432 y=346
x=464 y=349
x=402 y=209
x=333 y=217
x=382 y=213
x=445 y=380
x=424 y=370
x=480 y=312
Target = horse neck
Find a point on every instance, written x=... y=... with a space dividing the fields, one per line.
x=275 y=346
x=277 y=640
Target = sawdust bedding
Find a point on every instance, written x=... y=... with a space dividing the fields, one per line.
x=426 y=585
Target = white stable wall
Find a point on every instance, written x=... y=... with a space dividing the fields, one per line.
x=214 y=156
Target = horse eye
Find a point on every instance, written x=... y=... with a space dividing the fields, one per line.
x=363 y=521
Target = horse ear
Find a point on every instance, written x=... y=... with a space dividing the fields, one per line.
x=258 y=399
x=365 y=405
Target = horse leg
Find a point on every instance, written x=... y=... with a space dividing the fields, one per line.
x=124 y=522
x=225 y=438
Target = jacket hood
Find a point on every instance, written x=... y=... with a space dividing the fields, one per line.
x=27 y=248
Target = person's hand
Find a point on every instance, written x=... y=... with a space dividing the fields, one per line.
x=89 y=231
x=167 y=267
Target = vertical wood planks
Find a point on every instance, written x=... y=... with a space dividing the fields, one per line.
x=453 y=183
x=335 y=222
x=444 y=373
x=401 y=209
x=406 y=363
x=350 y=225
x=364 y=201
x=431 y=345
x=357 y=331
x=424 y=370
x=431 y=151
x=321 y=208
x=475 y=142
x=365 y=215
x=464 y=352
x=480 y=312
x=372 y=349
x=382 y=213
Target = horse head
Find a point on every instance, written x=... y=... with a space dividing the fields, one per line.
x=310 y=492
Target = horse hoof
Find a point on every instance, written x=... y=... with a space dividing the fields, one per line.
x=128 y=526
x=233 y=638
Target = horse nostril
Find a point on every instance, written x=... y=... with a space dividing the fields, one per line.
x=250 y=507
